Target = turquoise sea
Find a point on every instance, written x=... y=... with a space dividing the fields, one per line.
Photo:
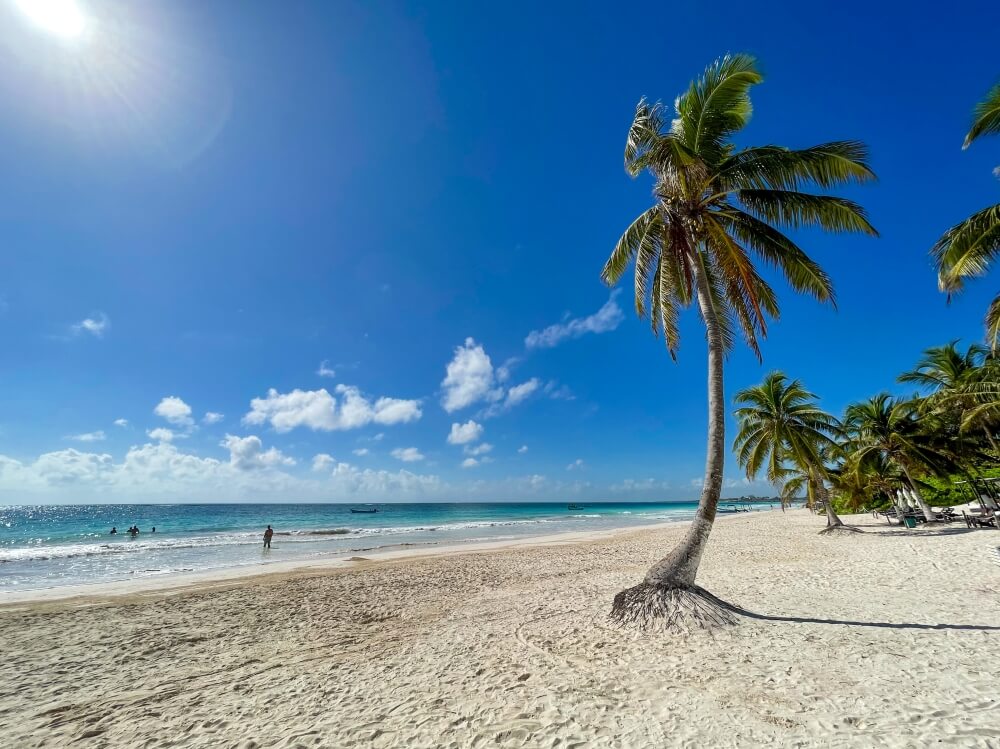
x=44 y=546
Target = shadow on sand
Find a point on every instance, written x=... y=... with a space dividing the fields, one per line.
x=740 y=611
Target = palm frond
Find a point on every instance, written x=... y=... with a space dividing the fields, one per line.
x=797 y=209
x=801 y=272
x=627 y=246
x=967 y=249
x=992 y=321
x=643 y=134
x=716 y=105
x=777 y=168
x=985 y=117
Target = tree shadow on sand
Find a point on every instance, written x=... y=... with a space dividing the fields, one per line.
x=740 y=611
x=927 y=532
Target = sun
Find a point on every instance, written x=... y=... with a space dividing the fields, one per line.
x=62 y=18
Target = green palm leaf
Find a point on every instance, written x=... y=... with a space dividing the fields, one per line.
x=775 y=168
x=967 y=249
x=716 y=106
x=801 y=209
x=986 y=117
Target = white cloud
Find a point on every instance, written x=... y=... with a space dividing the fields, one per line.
x=175 y=411
x=72 y=466
x=361 y=451
x=521 y=392
x=628 y=486
x=318 y=410
x=324 y=369
x=607 y=318
x=161 y=435
x=396 y=411
x=323 y=462
x=121 y=422
x=469 y=378
x=575 y=465
x=504 y=370
x=247 y=453
x=158 y=471
x=378 y=437
x=95 y=325
x=212 y=417
x=699 y=483
x=478 y=449
x=470 y=463
x=346 y=479
x=522 y=449
x=97 y=436
x=407 y=454
x=558 y=392
x=462 y=434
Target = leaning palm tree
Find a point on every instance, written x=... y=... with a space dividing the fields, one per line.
x=716 y=208
x=967 y=249
x=780 y=424
x=894 y=430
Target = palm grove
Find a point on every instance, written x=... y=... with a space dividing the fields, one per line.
x=719 y=211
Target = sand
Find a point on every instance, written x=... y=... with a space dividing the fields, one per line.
x=887 y=638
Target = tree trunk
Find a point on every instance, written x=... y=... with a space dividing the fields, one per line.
x=924 y=507
x=832 y=521
x=668 y=597
x=681 y=565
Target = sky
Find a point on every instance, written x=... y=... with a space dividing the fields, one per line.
x=351 y=251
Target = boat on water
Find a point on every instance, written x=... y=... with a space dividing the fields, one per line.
x=574 y=507
x=733 y=508
x=364 y=509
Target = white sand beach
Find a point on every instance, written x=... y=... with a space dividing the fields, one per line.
x=887 y=638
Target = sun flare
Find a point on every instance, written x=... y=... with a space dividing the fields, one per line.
x=63 y=18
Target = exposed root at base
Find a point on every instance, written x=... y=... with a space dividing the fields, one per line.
x=832 y=530
x=660 y=607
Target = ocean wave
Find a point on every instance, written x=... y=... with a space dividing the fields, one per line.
x=68 y=551
x=151 y=545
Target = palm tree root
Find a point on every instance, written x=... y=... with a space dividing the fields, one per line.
x=658 y=607
x=833 y=530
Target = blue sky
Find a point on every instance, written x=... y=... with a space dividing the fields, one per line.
x=205 y=204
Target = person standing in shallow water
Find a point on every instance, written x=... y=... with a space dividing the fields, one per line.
x=267 y=537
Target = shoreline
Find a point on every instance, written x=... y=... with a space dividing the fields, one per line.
x=219 y=577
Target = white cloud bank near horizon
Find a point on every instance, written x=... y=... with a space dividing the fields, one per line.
x=248 y=471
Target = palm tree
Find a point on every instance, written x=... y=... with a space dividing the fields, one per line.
x=780 y=424
x=884 y=428
x=715 y=207
x=857 y=483
x=977 y=401
x=945 y=368
x=955 y=381
x=967 y=249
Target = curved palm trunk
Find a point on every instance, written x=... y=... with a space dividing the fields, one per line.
x=668 y=597
x=832 y=521
x=924 y=507
x=679 y=568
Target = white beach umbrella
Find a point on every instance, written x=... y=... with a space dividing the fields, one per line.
x=900 y=500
